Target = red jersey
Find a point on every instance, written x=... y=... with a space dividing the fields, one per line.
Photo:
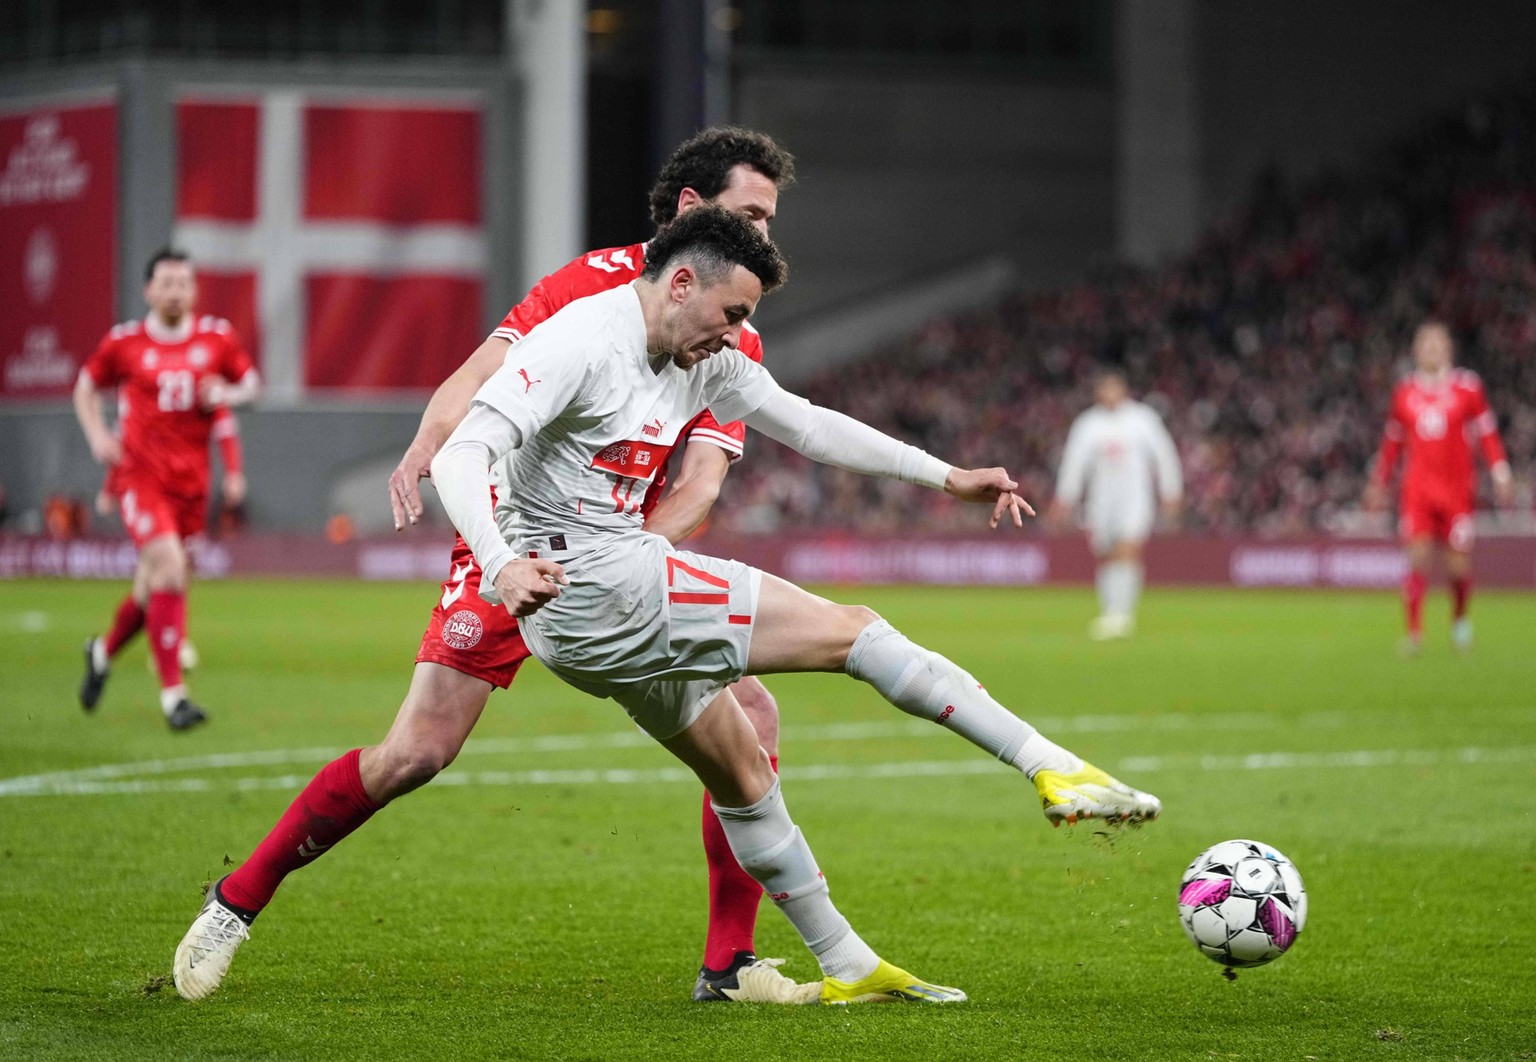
x=157 y=372
x=1438 y=422
x=599 y=271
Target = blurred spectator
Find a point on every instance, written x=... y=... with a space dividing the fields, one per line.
x=1270 y=349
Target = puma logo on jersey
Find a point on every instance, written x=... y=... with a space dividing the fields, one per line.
x=653 y=429
x=524 y=374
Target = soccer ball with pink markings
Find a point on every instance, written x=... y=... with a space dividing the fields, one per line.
x=1242 y=903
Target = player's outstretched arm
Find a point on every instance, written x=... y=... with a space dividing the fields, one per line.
x=106 y=447
x=835 y=439
x=446 y=408
x=692 y=494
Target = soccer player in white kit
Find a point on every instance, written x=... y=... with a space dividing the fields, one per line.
x=590 y=401
x=1114 y=450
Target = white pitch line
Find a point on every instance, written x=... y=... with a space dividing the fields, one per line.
x=626 y=739
x=821 y=772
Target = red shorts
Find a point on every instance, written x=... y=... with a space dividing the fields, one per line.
x=1450 y=524
x=149 y=512
x=468 y=634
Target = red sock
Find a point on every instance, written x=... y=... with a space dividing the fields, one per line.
x=734 y=895
x=128 y=622
x=167 y=622
x=1461 y=593
x=331 y=806
x=1413 y=601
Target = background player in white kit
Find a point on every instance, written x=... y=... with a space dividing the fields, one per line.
x=1114 y=449
x=591 y=401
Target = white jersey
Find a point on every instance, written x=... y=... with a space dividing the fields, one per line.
x=1112 y=454
x=596 y=419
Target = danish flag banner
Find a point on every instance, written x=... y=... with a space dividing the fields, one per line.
x=58 y=240
x=341 y=235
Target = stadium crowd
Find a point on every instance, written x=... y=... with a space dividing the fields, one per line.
x=1270 y=349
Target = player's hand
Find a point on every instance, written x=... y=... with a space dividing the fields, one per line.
x=212 y=392
x=234 y=488
x=528 y=585
x=107 y=450
x=1375 y=498
x=989 y=485
x=1503 y=486
x=404 y=495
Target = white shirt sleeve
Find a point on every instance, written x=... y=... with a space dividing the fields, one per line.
x=537 y=381
x=735 y=385
x=461 y=474
x=834 y=439
x=1074 y=463
x=1165 y=457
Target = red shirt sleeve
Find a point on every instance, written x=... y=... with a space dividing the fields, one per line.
x=236 y=361
x=103 y=366
x=1392 y=438
x=578 y=278
x=1485 y=425
x=226 y=432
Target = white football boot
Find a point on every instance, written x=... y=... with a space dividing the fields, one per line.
x=204 y=954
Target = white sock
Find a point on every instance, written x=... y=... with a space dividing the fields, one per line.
x=1133 y=572
x=170 y=697
x=770 y=847
x=1040 y=753
x=100 y=662
x=1119 y=586
x=922 y=683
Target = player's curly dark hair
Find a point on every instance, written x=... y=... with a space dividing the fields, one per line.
x=713 y=240
x=165 y=254
x=704 y=163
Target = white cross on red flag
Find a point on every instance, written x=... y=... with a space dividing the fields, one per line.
x=342 y=235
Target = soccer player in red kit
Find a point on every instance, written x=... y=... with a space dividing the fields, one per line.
x=1437 y=415
x=173 y=370
x=470 y=647
x=129 y=620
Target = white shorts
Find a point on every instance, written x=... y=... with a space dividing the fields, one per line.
x=1123 y=521
x=659 y=630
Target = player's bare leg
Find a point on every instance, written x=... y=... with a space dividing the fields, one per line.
x=721 y=747
x=1458 y=569
x=1419 y=550
x=734 y=895
x=440 y=709
x=797 y=631
x=164 y=560
x=1119 y=581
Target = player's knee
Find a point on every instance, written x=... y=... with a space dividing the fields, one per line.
x=404 y=767
x=852 y=620
x=761 y=710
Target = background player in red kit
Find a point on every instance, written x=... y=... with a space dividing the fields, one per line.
x=1436 y=415
x=470 y=648
x=172 y=370
x=130 y=616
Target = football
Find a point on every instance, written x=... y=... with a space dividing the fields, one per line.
x=1242 y=903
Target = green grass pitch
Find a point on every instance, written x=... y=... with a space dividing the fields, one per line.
x=545 y=897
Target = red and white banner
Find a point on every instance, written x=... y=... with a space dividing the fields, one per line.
x=58 y=241
x=342 y=235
